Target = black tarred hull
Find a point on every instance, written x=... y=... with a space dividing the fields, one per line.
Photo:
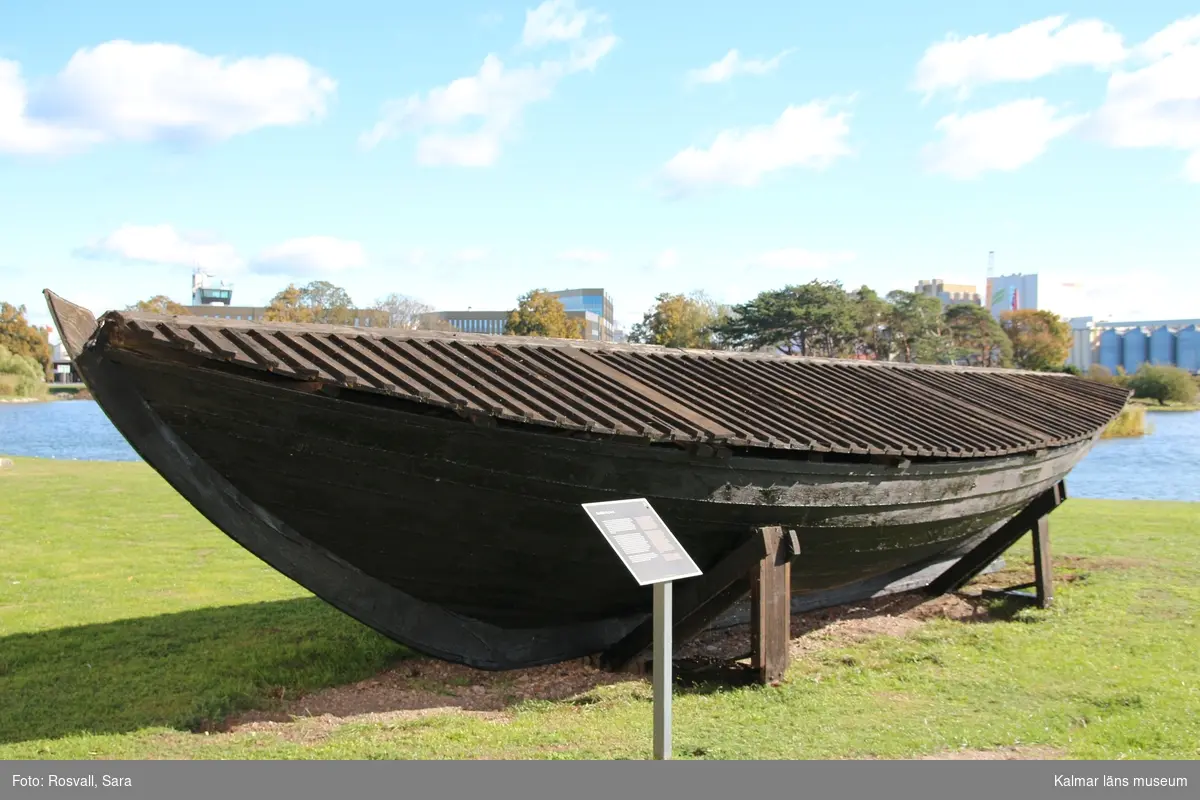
x=468 y=543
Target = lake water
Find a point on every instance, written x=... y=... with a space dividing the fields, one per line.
x=1164 y=465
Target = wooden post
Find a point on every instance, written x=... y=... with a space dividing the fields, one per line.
x=762 y=567
x=771 y=608
x=1043 y=580
x=697 y=602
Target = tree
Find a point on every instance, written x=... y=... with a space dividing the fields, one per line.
x=25 y=372
x=678 y=320
x=871 y=311
x=816 y=318
x=1041 y=340
x=402 y=311
x=430 y=322
x=159 y=304
x=539 y=313
x=1164 y=384
x=917 y=329
x=318 y=301
x=977 y=333
x=22 y=339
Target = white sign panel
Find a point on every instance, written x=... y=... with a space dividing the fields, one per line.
x=642 y=541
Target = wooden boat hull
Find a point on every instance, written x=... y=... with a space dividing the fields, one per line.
x=468 y=542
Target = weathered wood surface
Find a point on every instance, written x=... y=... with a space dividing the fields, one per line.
x=1042 y=570
x=468 y=543
x=1030 y=518
x=906 y=580
x=770 y=607
x=698 y=601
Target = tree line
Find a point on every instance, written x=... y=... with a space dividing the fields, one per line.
x=818 y=318
x=538 y=312
x=822 y=318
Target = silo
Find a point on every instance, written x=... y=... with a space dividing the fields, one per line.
x=1110 y=350
x=1135 y=350
x=1187 y=349
x=1162 y=347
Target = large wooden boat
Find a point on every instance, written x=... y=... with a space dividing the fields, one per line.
x=430 y=484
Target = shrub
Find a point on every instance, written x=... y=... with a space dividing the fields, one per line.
x=1102 y=374
x=1130 y=422
x=1164 y=384
x=25 y=376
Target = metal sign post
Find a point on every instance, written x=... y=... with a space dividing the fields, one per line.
x=653 y=556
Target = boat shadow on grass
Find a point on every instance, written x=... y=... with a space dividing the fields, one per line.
x=225 y=668
x=179 y=670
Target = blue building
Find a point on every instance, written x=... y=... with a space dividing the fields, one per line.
x=1135 y=350
x=1110 y=350
x=1187 y=349
x=593 y=307
x=1129 y=345
x=590 y=301
x=1162 y=347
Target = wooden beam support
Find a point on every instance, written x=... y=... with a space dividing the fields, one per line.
x=771 y=608
x=1031 y=519
x=1043 y=580
x=699 y=601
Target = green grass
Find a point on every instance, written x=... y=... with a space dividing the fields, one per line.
x=1153 y=405
x=68 y=391
x=126 y=621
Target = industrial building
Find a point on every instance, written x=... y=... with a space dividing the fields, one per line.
x=593 y=306
x=949 y=293
x=1011 y=293
x=1129 y=345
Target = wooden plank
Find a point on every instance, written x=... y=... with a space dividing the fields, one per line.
x=1043 y=579
x=770 y=609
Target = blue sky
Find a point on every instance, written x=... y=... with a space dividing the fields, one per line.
x=464 y=153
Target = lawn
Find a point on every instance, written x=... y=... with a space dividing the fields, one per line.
x=130 y=627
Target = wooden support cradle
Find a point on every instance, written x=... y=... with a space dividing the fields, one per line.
x=761 y=567
x=1033 y=519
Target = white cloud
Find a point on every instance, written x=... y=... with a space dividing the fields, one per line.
x=1003 y=138
x=1182 y=34
x=1157 y=105
x=1027 y=53
x=310 y=255
x=126 y=91
x=796 y=258
x=22 y=135
x=162 y=244
x=496 y=96
x=666 y=260
x=809 y=136
x=732 y=65
x=557 y=21
x=581 y=256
